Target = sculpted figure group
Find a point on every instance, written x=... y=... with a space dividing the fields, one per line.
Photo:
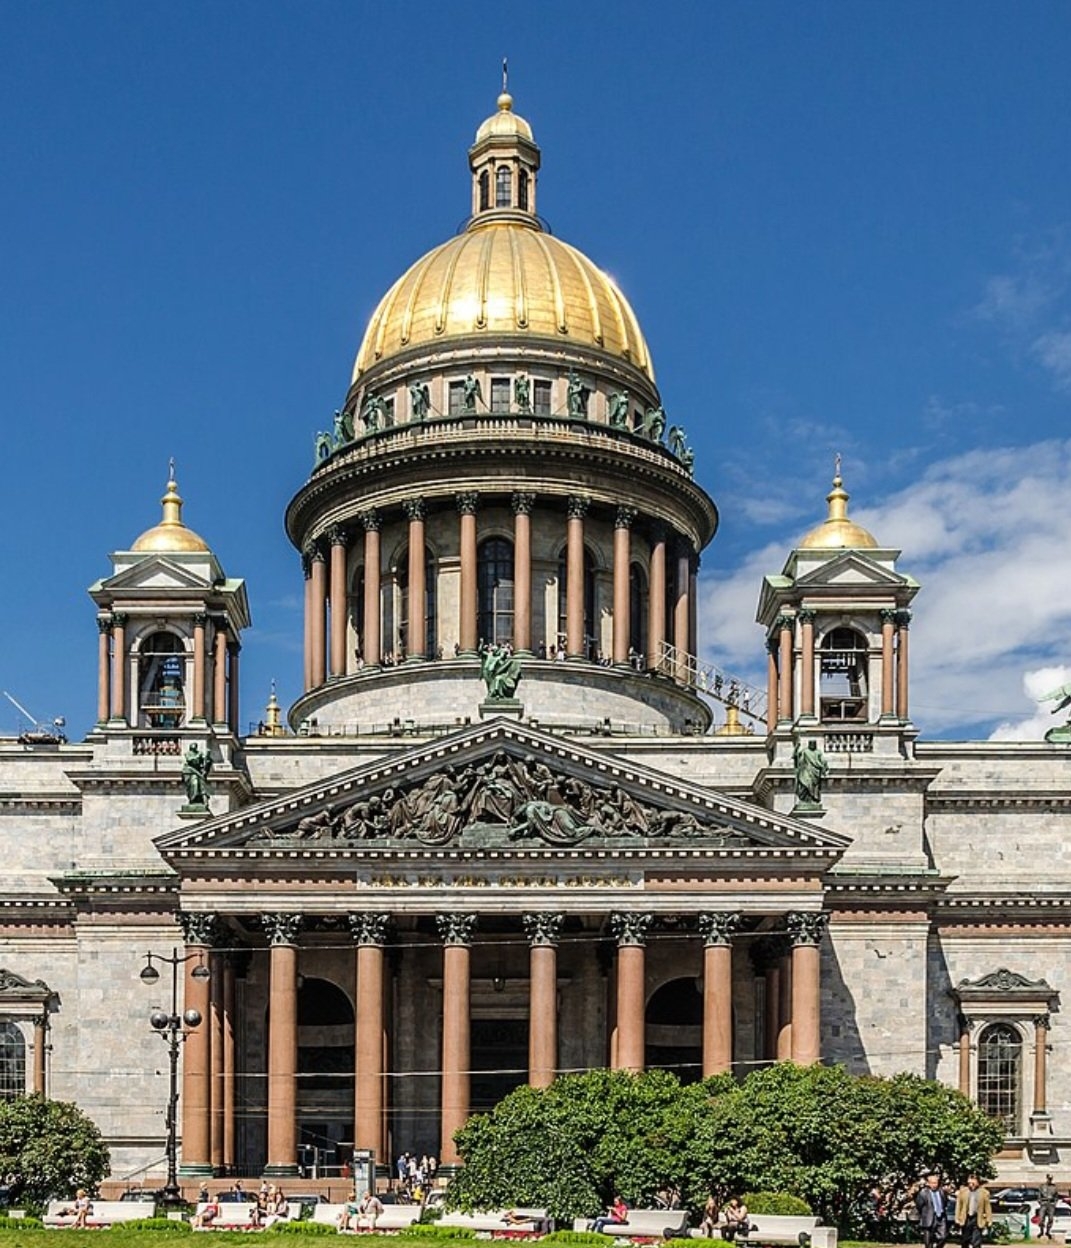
x=523 y=796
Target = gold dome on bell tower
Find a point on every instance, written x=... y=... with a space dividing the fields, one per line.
x=837 y=531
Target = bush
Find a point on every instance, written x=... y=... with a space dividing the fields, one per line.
x=152 y=1224
x=430 y=1214
x=678 y=1243
x=431 y=1231
x=777 y=1204
x=303 y=1228
x=54 y=1144
x=24 y=1224
x=573 y=1237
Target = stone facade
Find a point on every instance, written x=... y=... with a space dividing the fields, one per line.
x=422 y=892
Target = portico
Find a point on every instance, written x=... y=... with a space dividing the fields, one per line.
x=467 y=956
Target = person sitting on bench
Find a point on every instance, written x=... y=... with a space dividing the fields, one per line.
x=614 y=1216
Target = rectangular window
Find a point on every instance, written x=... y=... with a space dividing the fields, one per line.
x=457 y=398
x=499 y=394
x=541 y=398
x=388 y=413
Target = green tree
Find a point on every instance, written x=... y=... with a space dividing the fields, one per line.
x=818 y=1133
x=52 y=1146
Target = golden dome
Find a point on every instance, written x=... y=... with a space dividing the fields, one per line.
x=501 y=278
x=505 y=123
x=170 y=534
x=837 y=532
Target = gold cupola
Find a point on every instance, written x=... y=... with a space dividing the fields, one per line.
x=504 y=276
x=170 y=534
x=837 y=531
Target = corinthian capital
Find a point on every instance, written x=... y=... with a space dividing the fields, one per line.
x=630 y=927
x=369 y=929
x=456 y=929
x=806 y=927
x=197 y=929
x=281 y=929
x=718 y=927
x=543 y=928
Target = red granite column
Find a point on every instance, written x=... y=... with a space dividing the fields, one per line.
x=622 y=566
x=965 y=1025
x=40 y=1051
x=118 y=667
x=630 y=929
x=417 y=640
x=104 y=674
x=199 y=664
x=888 y=663
x=373 y=620
x=457 y=931
x=219 y=675
x=522 y=572
x=369 y=933
x=319 y=617
x=784 y=668
x=656 y=600
x=306 y=568
x=903 y=619
x=575 y=647
x=215 y=1024
x=805 y=930
x=681 y=641
x=229 y=1007
x=282 y=931
x=544 y=930
x=771 y=684
x=467 y=618
x=783 y=1051
x=717 y=931
x=339 y=543
x=196 y=1101
x=807 y=663
x=1041 y=1050
x=233 y=687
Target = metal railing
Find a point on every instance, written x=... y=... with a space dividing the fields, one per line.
x=711 y=681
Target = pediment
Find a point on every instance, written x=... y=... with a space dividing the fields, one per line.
x=155 y=573
x=497 y=786
x=851 y=568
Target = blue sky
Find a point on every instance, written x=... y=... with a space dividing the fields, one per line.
x=844 y=227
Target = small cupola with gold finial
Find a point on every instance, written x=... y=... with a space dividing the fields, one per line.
x=837 y=531
x=170 y=534
x=504 y=161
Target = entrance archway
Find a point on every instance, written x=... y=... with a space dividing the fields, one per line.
x=675 y=1029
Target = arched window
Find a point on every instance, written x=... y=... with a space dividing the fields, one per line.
x=843 y=657
x=431 y=628
x=12 y=1062
x=674 y=1029
x=1000 y=1062
x=522 y=191
x=494 y=587
x=591 y=642
x=161 y=680
x=485 y=191
x=502 y=186
x=637 y=614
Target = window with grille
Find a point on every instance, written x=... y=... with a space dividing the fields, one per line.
x=1000 y=1060
x=502 y=186
x=494 y=581
x=541 y=398
x=499 y=394
x=12 y=1062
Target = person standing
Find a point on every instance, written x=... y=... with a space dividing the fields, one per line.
x=974 y=1212
x=933 y=1212
x=1047 y=1196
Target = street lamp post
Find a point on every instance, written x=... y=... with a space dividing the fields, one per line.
x=173 y=1030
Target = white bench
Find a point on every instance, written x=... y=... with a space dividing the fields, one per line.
x=518 y=1221
x=643 y=1224
x=102 y=1212
x=773 y=1228
x=393 y=1217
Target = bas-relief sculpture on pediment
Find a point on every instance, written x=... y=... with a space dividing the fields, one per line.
x=502 y=800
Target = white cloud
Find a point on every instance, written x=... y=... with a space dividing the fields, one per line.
x=986 y=535
x=1038 y=685
x=1053 y=350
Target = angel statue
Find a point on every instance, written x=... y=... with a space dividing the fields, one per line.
x=1062 y=698
x=501 y=672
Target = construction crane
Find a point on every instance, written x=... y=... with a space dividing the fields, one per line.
x=43 y=732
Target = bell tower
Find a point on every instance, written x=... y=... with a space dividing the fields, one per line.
x=836 y=623
x=170 y=624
